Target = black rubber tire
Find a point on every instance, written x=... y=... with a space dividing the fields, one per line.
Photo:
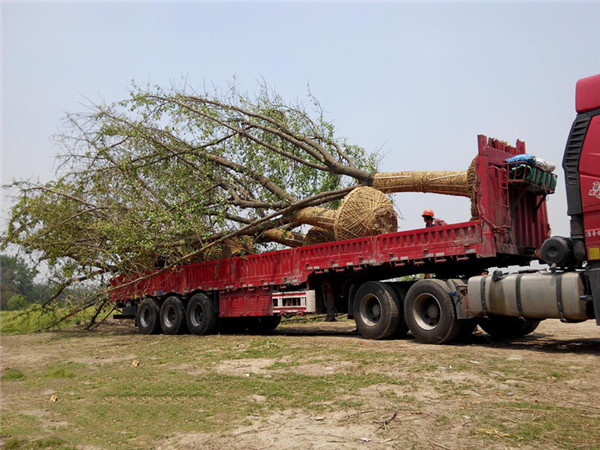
x=263 y=324
x=429 y=312
x=172 y=316
x=376 y=310
x=200 y=315
x=232 y=325
x=466 y=330
x=402 y=330
x=500 y=327
x=147 y=317
x=530 y=327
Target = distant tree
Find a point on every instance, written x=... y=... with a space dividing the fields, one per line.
x=16 y=302
x=17 y=280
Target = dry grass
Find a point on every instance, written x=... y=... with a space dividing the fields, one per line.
x=312 y=385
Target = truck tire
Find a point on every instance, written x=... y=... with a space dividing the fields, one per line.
x=467 y=326
x=402 y=330
x=429 y=312
x=263 y=324
x=231 y=325
x=508 y=327
x=172 y=316
x=200 y=315
x=376 y=310
x=147 y=318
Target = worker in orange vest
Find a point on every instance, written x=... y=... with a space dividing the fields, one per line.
x=431 y=220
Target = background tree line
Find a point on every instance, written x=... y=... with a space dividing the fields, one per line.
x=20 y=289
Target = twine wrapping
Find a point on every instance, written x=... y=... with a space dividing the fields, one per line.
x=317 y=235
x=461 y=183
x=365 y=212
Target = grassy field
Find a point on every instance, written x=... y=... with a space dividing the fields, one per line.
x=37 y=318
x=313 y=385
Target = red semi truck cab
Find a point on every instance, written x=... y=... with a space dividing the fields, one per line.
x=581 y=164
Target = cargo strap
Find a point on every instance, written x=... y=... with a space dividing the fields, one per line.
x=482 y=295
x=518 y=295
x=559 y=302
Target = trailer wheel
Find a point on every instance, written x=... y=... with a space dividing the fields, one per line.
x=147 y=317
x=172 y=316
x=230 y=325
x=402 y=330
x=467 y=326
x=200 y=315
x=429 y=312
x=508 y=327
x=263 y=324
x=376 y=310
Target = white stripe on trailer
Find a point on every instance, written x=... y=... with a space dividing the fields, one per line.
x=294 y=302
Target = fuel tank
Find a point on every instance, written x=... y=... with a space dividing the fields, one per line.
x=544 y=295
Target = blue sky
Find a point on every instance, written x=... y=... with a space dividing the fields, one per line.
x=417 y=81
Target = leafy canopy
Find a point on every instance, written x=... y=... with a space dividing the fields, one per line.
x=168 y=172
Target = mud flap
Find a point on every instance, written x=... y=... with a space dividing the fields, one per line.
x=458 y=294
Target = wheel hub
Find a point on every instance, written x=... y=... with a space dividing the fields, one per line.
x=427 y=311
x=372 y=311
x=145 y=317
x=170 y=316
x=197 y=315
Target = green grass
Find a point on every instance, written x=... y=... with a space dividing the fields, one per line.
x=12 y=375
x=530 y=423
x=53 y=442
x=36 y=318
x=58 y=372
x=193 y=384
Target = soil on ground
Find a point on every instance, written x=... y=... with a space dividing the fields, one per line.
x=429 y=418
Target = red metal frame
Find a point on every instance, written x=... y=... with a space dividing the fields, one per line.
x=510 y=223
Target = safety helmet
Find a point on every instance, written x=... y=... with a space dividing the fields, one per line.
x=428 y=213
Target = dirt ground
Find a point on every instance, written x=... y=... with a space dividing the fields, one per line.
x=558 y=367
x=575 y=344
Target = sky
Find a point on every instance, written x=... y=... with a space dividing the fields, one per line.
x=415 y=81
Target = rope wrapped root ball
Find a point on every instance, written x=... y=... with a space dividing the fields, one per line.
x=461 y=183
x=318 y=235
x=365 y=212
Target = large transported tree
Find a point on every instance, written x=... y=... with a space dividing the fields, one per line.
x=166 y=173
x=175 y=175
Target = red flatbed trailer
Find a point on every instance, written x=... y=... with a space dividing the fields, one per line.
x=345 y=276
